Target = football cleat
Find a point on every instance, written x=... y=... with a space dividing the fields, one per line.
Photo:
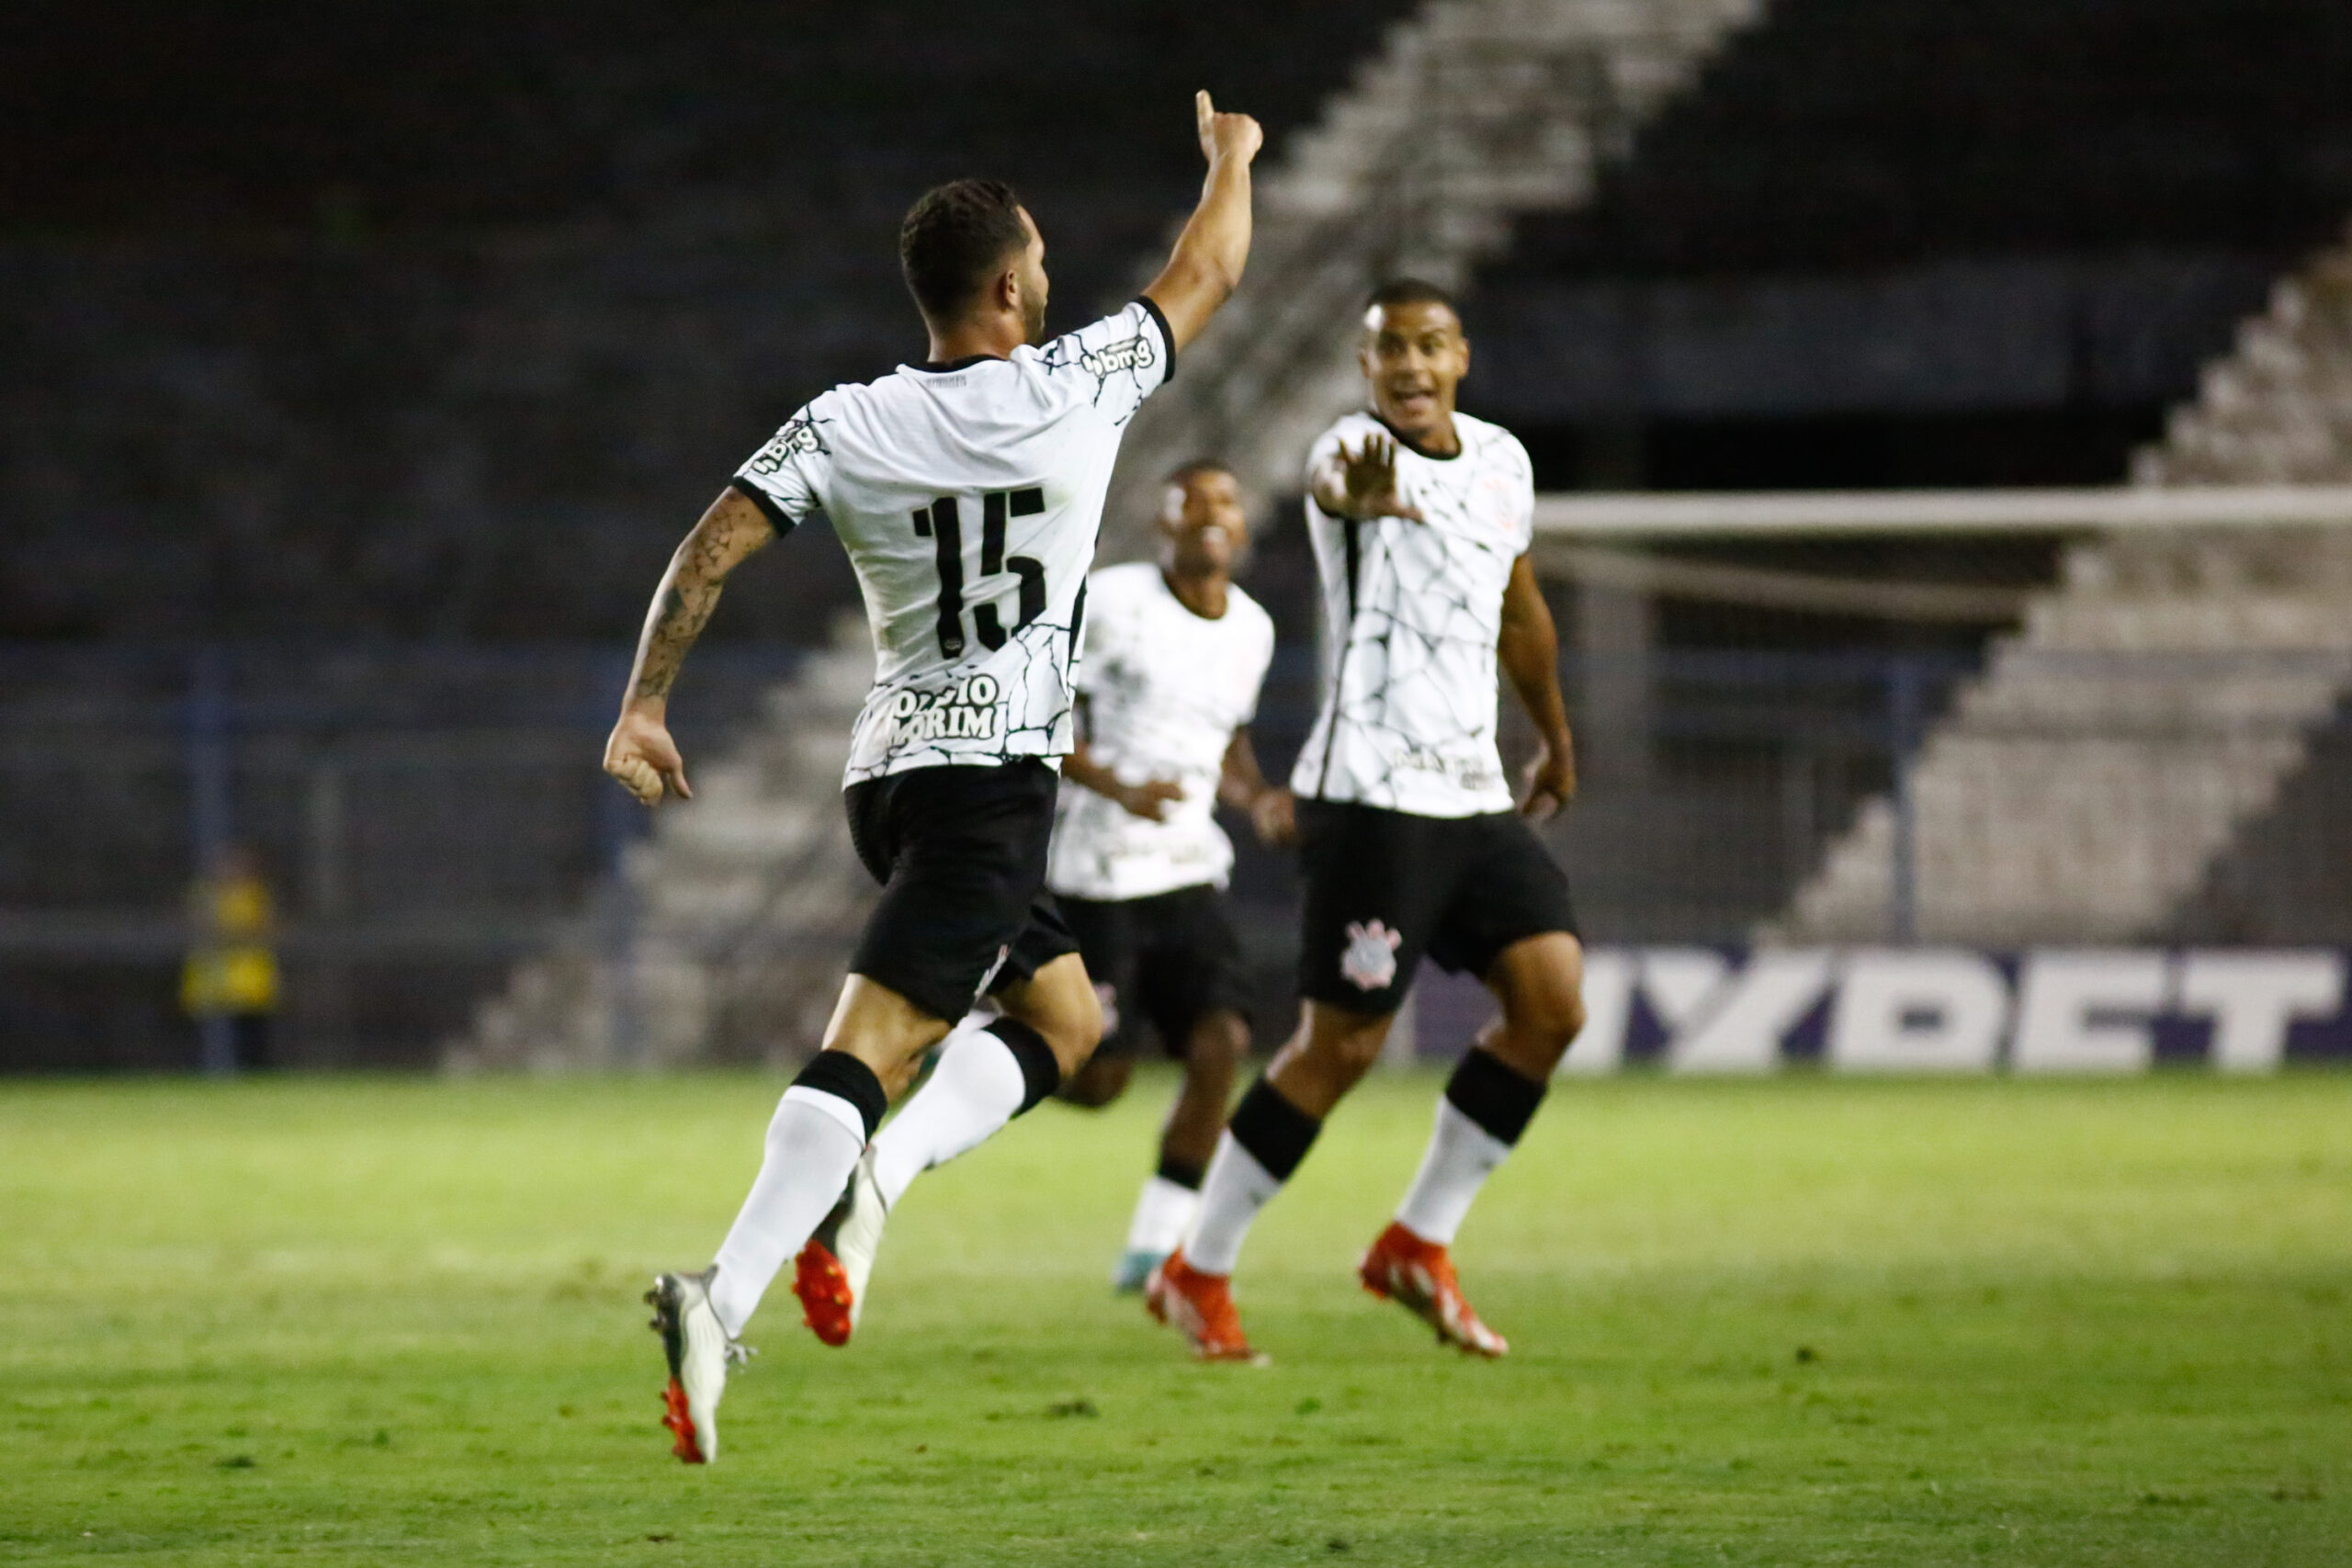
x=1199 y=1306
x=698 y=1351
x=833 y=1269
x=1418 y=1276
x=1133 y=1270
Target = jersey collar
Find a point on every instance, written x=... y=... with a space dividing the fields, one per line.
x=1415 y=447
x=934 y=367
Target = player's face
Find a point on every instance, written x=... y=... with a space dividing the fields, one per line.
x=1205 y=524
x=1414 y=356
x=1030 y=268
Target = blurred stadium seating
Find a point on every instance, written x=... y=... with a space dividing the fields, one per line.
x=436 y=324
x=442 y=321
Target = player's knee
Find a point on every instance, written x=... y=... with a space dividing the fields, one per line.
x=1553 y=1014
x=1218 y=1045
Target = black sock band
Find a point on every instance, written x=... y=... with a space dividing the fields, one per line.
x=1041 y=1073
x=1276 y=1133
x=1498 y=1099
x=1187 y=1174
x=843 y=1076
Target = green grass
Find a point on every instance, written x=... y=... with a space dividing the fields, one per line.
x=1793 y=1321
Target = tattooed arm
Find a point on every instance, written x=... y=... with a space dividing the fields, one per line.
x=640 y=754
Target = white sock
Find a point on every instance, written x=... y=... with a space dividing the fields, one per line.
x=1236 y=1188
x=1162 y=1210
x=813 y=1143
x=1461 y=1156
x=976 y=1089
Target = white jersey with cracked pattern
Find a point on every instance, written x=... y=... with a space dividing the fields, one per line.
x=1165 y=690
x=1411 y=612
x=969 y=497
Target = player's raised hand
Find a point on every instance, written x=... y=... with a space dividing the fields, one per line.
x=1225 y=136
x=1151 y=799
x=1368 y=482
x=643 y=759
x=1551 y=783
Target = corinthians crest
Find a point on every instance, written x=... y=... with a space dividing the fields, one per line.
x=1370 y=961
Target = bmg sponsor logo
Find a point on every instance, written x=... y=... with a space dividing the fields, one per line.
x=1134 y=354
x=798 y=439
x=965 y=711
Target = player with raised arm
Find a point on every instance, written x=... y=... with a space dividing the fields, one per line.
x=1421 y=519
x=1175 y=655
x=967 y=491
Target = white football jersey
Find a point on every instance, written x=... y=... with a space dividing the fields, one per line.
x=1165 y=690
x=1411 y=612
x=969 y=497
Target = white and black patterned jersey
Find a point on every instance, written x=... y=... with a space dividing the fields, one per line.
x=1165 y=690
x=969 y=497
x=1411 y=613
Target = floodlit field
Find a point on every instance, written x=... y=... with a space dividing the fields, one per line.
x=1794 y=1322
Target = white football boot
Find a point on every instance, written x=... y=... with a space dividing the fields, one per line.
x=700 y=1351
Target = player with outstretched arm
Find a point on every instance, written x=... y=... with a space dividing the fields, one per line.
x=967 y=491
x=1420 y=518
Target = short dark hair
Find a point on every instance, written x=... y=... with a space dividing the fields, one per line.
x=1410 y=291
x=953 y=239
x=1192 y=469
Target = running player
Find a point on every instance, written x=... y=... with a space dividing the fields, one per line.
x=1421 y=519
x=1175 y=654
x=968 y=492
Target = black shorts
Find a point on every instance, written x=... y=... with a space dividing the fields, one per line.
x=1168 y=961
x=960 y=853
x=1383 y=887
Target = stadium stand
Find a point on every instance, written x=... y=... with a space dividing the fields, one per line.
x=722 y=934
x=455 y=355
x=442 y=321
x=2157 y=704
x=1889 y=242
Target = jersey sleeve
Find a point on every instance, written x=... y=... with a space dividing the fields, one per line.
x=785 y=479
x=1118 y=361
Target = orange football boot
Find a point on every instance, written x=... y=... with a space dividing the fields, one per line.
x=1199 y=1306
x=1418 y=1276
x=826 y=1300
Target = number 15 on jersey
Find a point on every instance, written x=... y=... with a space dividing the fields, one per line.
x=942 y=521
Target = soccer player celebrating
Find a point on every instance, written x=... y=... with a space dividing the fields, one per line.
x=1175 y=654
x=1421 y=519
x=967 y=491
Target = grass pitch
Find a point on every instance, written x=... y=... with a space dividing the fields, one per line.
x=1788 y=1322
